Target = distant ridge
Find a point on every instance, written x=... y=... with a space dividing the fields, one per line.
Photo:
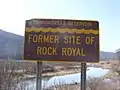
x=11 y=47
x=107 y=55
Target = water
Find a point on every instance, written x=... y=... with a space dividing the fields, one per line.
x=67 y=79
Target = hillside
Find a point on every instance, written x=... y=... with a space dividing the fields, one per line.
x=107 y=55
x=11 y=47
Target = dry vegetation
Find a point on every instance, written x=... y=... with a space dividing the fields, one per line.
x=92 y=84
x=97 y=83
x=12 y=73
x=9 y=79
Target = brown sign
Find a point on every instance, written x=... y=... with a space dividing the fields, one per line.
x=61 y=40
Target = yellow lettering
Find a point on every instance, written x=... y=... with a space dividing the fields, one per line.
x=49 y=51
x=73 y=52
x=83 y=52
x=40 y=39
x=38 y=50
x=54 y=51
x=64 y=52
x=92 y=40
x=72 y=40
x=43 y=38
x=46 y=51
x=35 y=38
x=78 y=52
x=66 y=40
x=78 y=40
x=89 y=40
x=51 y=39
x=56 y=39
x=69 y=52
x=29 y=38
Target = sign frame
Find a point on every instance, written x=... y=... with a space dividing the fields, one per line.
x=97 y=61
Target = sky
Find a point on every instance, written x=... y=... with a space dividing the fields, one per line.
x=13 y=14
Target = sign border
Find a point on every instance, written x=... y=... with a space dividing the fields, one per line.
x=63 y=60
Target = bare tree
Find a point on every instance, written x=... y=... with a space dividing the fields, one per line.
x=116 y=67
x=116 y=70
x=118 y=54
x=9 y=76
x=93 y=83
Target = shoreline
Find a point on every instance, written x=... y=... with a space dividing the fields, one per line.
x=52 y=74
x=60 y=73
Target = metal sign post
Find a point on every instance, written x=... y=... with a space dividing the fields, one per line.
x=83 y=76
x=39 y=76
